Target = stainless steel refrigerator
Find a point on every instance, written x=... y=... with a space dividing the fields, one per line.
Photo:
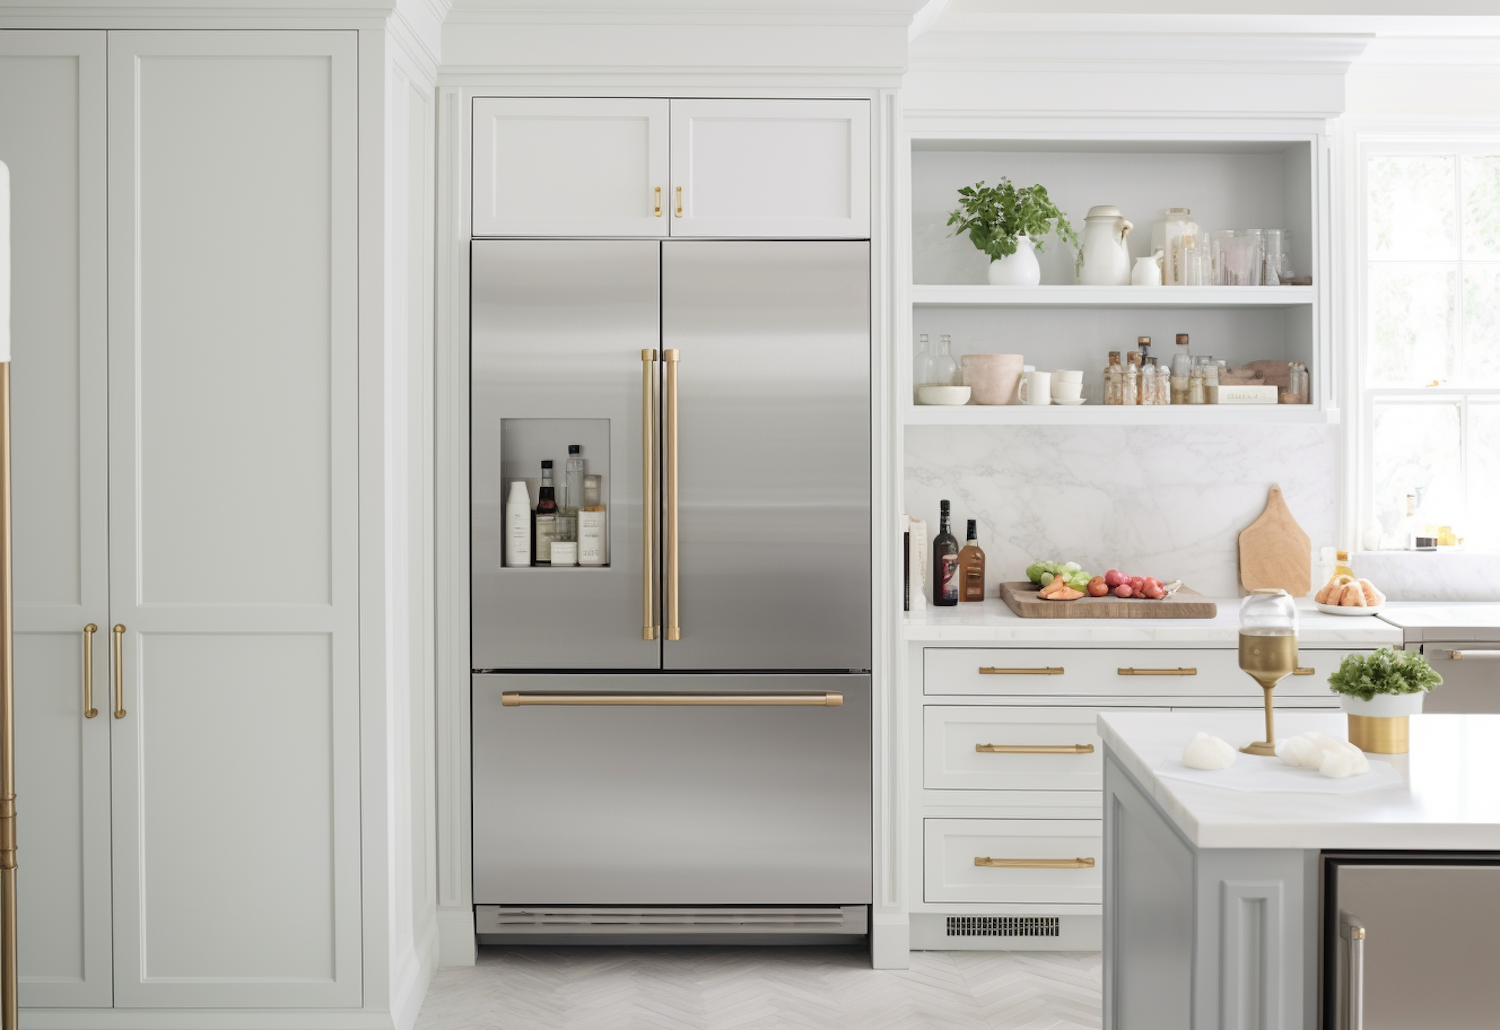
x=678 y=741
x=1408 y=940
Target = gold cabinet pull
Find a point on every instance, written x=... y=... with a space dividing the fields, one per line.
x=119 y=664
x=1034 y=863
x=1046 y=670
x=832 y=699
x=1303 y=670
x=679 y=201
x=89 y=711
x=1181 y=670
x=648 y=505
x=1035 y=749
x=674 y=627
x=658 y=202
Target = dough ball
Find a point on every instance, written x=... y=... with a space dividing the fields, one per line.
x=1208 y=752
x=1329 y=755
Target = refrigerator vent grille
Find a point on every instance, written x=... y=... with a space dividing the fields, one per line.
x=508 y=919
x=1004 y=926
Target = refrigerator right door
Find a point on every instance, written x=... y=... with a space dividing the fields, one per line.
x=772 y=406
x=1408 y=944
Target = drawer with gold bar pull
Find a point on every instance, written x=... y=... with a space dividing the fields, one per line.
x=1012 y=861
x=1010 y=748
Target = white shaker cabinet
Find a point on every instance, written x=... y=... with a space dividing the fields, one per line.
x=233 y=519
x=52 y=112
x=777 y=169
x=771 y=168
x=564 y=167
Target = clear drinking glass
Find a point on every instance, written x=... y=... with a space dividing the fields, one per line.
x=1215 y=276
x=1274 y=247
x=1242 y=258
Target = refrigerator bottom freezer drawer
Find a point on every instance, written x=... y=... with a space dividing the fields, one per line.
x=765 y=802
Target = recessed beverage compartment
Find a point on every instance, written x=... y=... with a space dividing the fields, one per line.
x=579 y=519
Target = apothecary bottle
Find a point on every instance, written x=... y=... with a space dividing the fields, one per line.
x=921 y=365
x=1130 y=385
x=1196 y=392
x=944 y=368
x=1148 y=381
x=1114 y=379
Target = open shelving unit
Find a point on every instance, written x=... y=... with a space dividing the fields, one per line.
x=1227 y=182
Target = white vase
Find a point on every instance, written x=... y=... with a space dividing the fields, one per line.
x=1019 y=269
x=1104 y=256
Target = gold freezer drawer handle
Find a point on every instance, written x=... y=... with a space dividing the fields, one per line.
x=1034 y=863
x=831 y=699
x=1035 y=749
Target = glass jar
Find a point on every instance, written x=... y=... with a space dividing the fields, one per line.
x=1148 y=383
x=1163 y=386
x=1196 y=392
x=1273 y=250
x=944 y=368
x=1170 y=236
x=1211 y=383
x=1113 y=379
x=921 y=365
x=1130 y=385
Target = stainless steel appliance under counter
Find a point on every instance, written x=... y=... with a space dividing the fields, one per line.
x=640 y=789
x=1462 y=642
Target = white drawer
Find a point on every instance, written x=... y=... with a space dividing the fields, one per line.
x=1044 y=748
x=951 y=847
x=1113 y=672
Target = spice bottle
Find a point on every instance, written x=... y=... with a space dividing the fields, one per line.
x=1114 y=379
x=1130 y=385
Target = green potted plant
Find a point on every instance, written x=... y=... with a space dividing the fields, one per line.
x=1008 y=224
x=1379 y=692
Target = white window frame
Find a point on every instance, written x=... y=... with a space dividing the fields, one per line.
x=1362 y=141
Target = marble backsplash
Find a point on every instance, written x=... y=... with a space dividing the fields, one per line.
x=1168 y=501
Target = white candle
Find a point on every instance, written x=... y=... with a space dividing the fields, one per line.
x=4 y=262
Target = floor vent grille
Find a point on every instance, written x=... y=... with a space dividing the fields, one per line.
x=1004 y=926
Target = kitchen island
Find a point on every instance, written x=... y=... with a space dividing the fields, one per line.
x=1213 y=907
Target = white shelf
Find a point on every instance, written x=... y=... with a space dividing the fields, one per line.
x=1112 y=296
x=1118 y=415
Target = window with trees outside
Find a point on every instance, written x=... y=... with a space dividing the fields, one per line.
x=1430 y=349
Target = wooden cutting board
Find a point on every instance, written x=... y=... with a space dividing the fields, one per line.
x=1274 y=551
x=1184 y=604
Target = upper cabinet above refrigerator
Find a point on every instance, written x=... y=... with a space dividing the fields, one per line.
x=778 y=169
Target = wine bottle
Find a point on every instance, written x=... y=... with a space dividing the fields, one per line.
x=971 y=566
x=945 y=578
x=544 y=519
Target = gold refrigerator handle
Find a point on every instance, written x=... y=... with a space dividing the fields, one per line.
x=833 y=699
x=10 y=1010
x=119 y=663
x=1034 y=749
x=674 y=629
x=648 y=506
x=89 y=711
x=1034 y=863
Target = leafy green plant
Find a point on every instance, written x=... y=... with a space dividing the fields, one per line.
x=1387 y=671
x=994 y=216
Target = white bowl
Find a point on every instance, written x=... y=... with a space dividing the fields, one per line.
x=943 y=394
x=1338 y=609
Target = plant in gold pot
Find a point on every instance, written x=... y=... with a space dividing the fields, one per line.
x=1008 y=225
x=1379 y=692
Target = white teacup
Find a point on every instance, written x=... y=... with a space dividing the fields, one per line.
x=1036 y=387
x=1067 y=375
x=1062 y=391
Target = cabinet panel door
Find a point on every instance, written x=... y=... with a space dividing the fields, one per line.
x=234 y=533
x=560 y=167
x=771 y=168
x=52 y=136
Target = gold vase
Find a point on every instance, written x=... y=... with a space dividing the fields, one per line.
x=1380 y=734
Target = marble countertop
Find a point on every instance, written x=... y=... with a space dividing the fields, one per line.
x=990 y=621
x=1448 y=800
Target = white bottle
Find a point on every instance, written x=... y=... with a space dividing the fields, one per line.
x=593 y=527
x=518 y=525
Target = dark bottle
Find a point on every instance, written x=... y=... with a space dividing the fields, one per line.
x=544 y=519
x=971 y=566
x=945 y=578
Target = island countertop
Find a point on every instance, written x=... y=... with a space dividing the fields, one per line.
x=991 y=621
x=1449 y=799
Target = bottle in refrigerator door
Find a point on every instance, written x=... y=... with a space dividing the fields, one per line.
x=945 y=577
x=544 y=520
x=518 y=525
x=971 y=566
x=593 y=528
x=573 y=480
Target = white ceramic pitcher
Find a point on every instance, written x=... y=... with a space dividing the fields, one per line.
x=1104 y=257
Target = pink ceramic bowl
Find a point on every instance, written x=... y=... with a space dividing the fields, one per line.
x=992 y=377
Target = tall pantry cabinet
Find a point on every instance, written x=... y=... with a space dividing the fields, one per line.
x=186 y=447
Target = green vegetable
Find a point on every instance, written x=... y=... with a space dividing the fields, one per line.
x=1387 y=671
x=1047 y=578
x=1073 y=566
x=1034 y=572
x=994 y=216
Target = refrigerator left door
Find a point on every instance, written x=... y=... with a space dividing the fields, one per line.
x=557 y=331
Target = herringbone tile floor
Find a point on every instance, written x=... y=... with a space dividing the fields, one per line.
x=722 y=988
